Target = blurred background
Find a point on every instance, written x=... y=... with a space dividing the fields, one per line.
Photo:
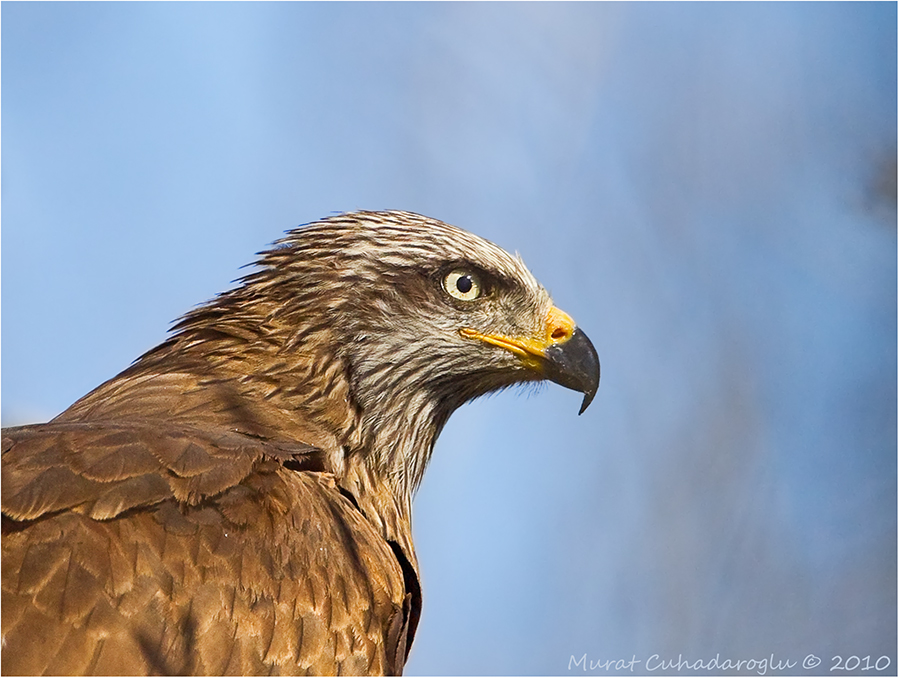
x=708 y=189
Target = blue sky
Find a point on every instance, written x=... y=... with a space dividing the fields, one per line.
x=698 y=185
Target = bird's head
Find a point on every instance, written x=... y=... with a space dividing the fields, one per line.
x=419 y=305
x=405 y=318
x=425 y=315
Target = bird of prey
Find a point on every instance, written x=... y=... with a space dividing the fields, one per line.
x=238 y=500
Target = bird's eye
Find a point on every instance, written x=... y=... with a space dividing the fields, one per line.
x=462 y=285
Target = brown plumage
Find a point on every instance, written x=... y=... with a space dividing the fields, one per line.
x=239 y=499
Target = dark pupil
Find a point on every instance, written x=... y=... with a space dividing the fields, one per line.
x=463 y=284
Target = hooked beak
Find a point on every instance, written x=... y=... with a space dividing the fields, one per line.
x=564 y=354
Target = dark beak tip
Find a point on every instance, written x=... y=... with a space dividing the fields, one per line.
x=590 y=392
x=575 y=365
x=588 y=398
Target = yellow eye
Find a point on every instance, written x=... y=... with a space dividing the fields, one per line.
x=462 y=285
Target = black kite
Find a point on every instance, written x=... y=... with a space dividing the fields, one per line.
x=238 y=500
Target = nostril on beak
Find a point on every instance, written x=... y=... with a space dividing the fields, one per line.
x=559 y=326
x=561 y=333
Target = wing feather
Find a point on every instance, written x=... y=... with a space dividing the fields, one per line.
x=137 y=548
